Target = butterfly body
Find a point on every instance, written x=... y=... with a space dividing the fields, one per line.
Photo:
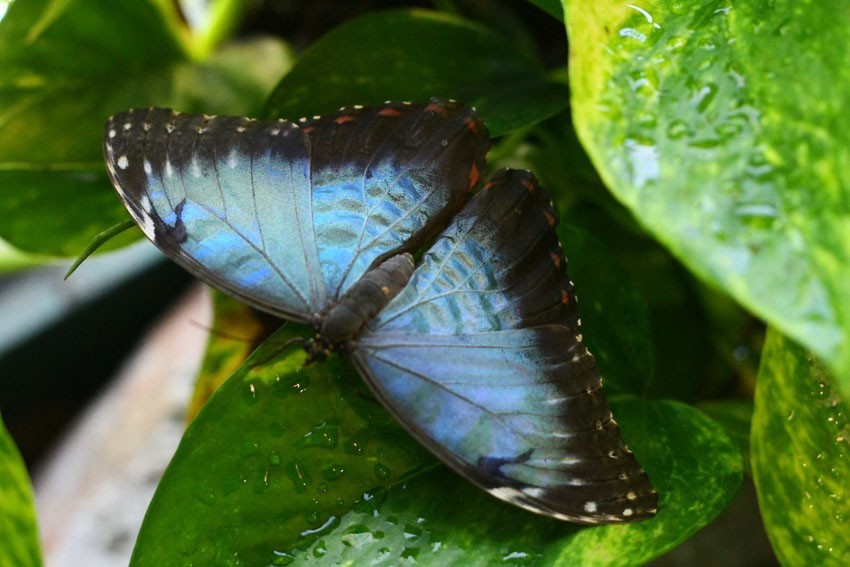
x=477 y=349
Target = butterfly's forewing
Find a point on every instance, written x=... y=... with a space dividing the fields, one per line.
x=228 y=198
x=385 y=178
x=481 y=357
x=285 y=216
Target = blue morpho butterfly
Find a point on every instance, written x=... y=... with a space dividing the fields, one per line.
x=477 y=350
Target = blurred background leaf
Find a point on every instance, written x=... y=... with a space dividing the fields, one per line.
x=382 y=56
x=18 y=528
x=64 y=68
x=801 y=463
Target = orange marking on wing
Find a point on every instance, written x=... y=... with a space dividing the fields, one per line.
x=565 y=297
x=550 y=218
x=344 y=118
x=307 y=129
x=433 y=107
x=474 y=174
x=472 y=125
x=556 y=259
x=527 y=183
x=389 y=112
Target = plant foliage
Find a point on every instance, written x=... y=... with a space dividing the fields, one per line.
x=698 y=161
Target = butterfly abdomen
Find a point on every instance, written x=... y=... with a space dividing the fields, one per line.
x=366 y=299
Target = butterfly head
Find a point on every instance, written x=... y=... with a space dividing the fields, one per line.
x=318 y=349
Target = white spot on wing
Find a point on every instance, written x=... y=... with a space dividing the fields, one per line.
x=147 y=166
x=112 y=133
x=146 y=222
x=145 y=202
x=534 y=491
x=232 y=160
x=169 y=171
x=507 y=493
x=196 y=169
x=590 y=507
x=628 y=512
x=123 y=163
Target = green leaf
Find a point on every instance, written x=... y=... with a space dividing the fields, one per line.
x=414 y=55
x=236 y=331
x=641 y=290
x=65 y=65
x=284 y=462
x=440 y=519
x=551 y=7
x=12 y=259
x=275 y=452
x=721 y=128
x=736 y=417
x=801 y=463
x=615 y=319
x=18 y=528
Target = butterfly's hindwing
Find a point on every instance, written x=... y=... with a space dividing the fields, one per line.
x=480 y=356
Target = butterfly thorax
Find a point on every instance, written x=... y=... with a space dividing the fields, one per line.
x=359 y=305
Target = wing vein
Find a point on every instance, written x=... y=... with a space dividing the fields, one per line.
x=499 y=416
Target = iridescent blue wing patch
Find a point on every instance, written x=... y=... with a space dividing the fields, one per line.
x=227 y=198
x=481 y=357
x=287 y=216
x=386 y=177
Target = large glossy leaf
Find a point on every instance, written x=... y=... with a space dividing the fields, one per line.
x=721 y=128
x=438 y=519
x=285 y=464
x=66 y=66
x=415 y=55
x=801 y=456
x=277 y=451
x=18 y=529
x=236 y=331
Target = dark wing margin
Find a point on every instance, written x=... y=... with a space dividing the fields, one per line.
x=481 y=358
x=227 y=198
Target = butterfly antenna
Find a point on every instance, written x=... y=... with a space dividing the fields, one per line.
x=277 y=351
x=219 y=333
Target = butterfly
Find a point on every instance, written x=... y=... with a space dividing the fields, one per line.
x=476 y=349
